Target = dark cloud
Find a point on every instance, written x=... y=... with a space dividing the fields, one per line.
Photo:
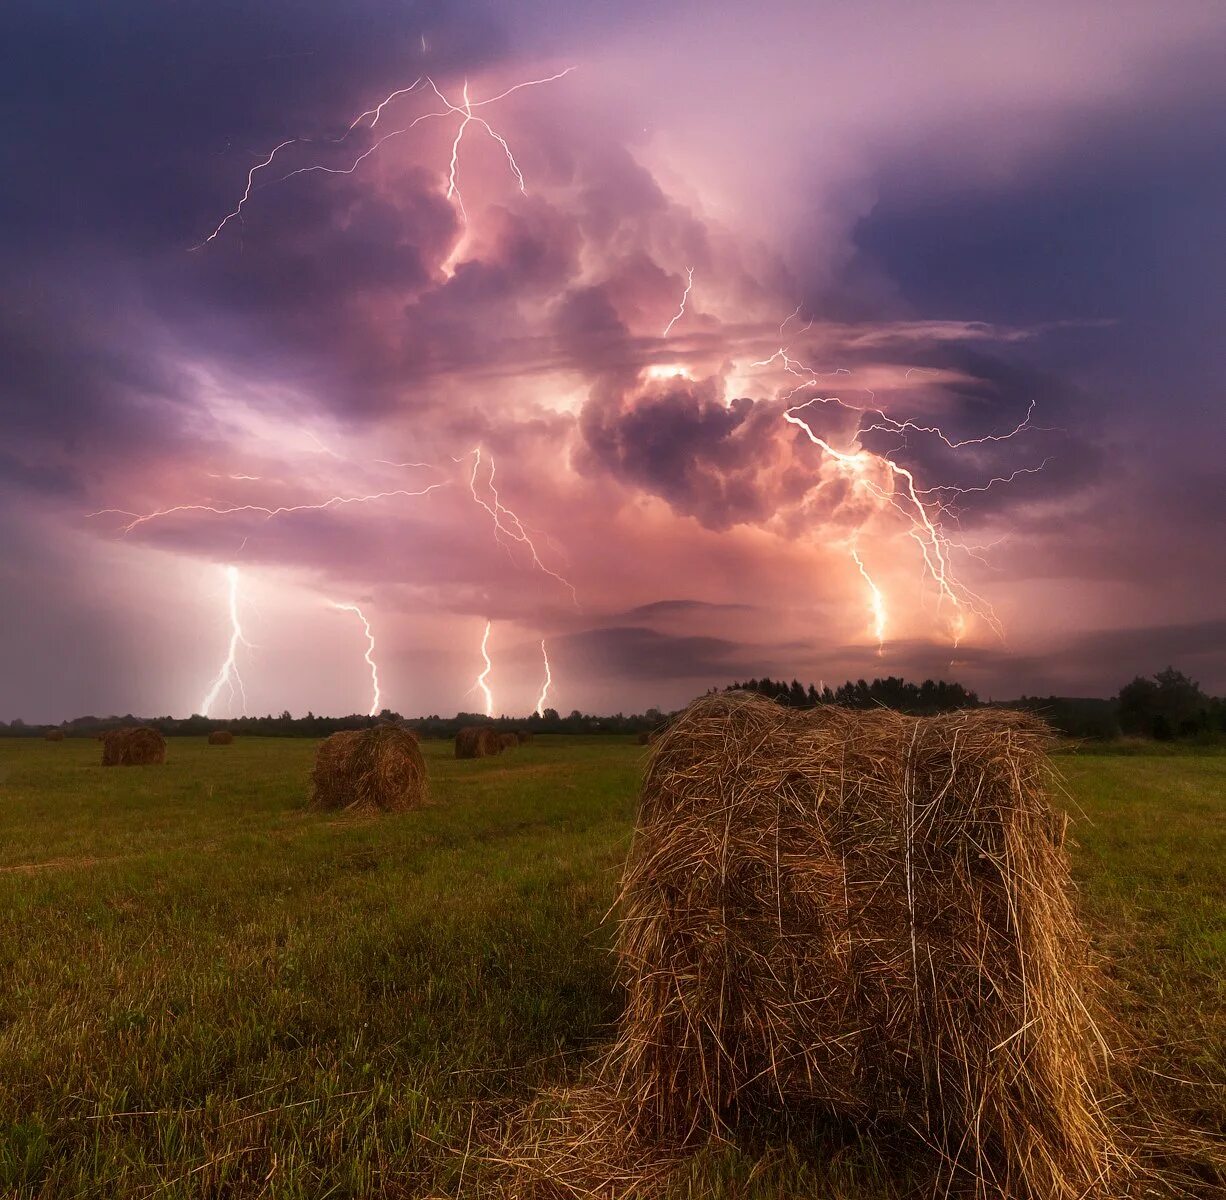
x=678 y=439
x=637 y=652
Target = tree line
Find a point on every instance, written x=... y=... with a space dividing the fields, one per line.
x=1165 y=706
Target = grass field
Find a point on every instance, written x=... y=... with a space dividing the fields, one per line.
x=207 y=991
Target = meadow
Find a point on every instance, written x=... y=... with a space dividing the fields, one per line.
x=206 y=990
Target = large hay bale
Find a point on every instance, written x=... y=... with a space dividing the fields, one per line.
x=133 y=746
x=507 y=741
x=221 y=737
x=54 y=735
x=476 y=741
x=369 y=770
x=868 y=912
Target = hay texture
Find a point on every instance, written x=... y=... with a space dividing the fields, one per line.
x=54 y=735
x=507 y=741
x=133 y=746
x=369 y=770
x=221 y=737
x=476 y=741
x=868 y=913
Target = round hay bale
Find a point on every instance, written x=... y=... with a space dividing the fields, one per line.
x=476 y=741
x=507 y=741
x=369 y=770
x=221 y=737
x=133 y=746
x=644 y=738
x=523 y=737
x=870 y=913
x=54 y=735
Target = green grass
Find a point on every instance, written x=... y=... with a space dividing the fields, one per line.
x=207 y=991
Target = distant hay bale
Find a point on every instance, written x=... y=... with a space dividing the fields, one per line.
x=507 y=741
x=476 y=741
x=369 y=770
x=54 y=735
x=523 y=737
x=870 y=913
x=644 y=738
x=133 y=746
x=221 y=737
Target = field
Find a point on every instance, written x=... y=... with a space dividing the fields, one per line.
x=207 y=991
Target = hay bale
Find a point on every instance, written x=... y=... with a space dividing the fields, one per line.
x=476 y=741
x=644 y=738
x=369 y=770
x=221 y=737
x=870 y=913
x=523 y=737
x=53 y=735
x=133 y=746
x=507 y=741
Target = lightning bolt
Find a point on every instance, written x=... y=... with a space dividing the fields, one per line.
x=540 y=700
x=507 y=524
x=481 y=682
x=876 y=600
x=369 y=120
x=689 y=283
x=369 y=656
x=226 y=510
x=903 y=495
x=229 y=674
x=892 y=485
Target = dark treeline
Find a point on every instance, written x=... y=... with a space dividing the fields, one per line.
x=931 y=696
x=1166 y=706
x=285 y=725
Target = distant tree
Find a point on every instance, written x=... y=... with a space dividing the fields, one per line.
x=1167 y=706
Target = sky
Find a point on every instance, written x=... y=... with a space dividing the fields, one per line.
x=798 y=339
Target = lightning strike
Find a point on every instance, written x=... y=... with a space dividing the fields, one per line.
x=375 y=698
x=689 y=283
x=229 y=673
x=482 y=683
x=540 y=700
x=369 y=119
x=876 y=600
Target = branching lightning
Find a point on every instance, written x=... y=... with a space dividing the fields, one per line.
x=506 y=523
x=226 y=510
x=892 y=485
x=229 y=673
x=375 y=698
x=540 y=700
x=369 y=121
x=689 y=283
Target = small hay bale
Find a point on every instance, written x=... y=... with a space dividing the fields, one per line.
x=133 y=746
x=870 y=913
x=524 y=737
x=476 y=741
x=507 y=741
x=221 y=737
x=369 y=770
x=54 y=735
x=644 y=738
